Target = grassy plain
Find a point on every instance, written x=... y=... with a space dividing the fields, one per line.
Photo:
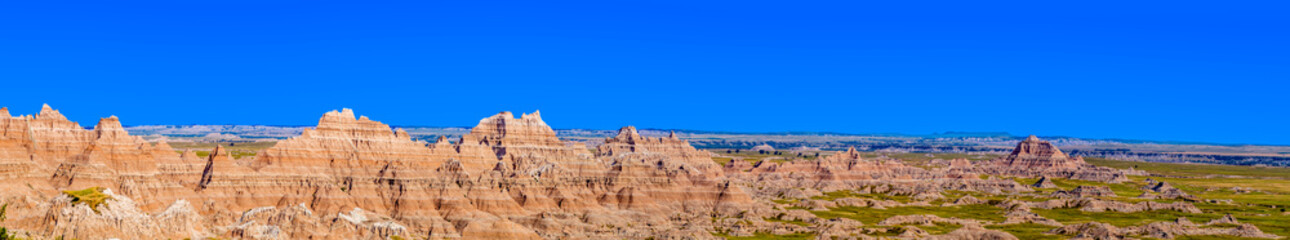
x=1262 y=198
x=236 y=150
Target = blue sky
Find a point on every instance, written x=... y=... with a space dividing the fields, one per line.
x=1155 y=70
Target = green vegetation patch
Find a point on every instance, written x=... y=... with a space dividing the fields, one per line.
x=830 y=196
x=1196 y=170
x=794 y=222
x=873 y=216
x=1028 y=231
x=90 y=196
x=939 y=228
x=767 y=236
x=721 y=160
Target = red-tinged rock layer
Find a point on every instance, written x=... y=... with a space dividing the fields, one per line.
x=1038 y=154
x=44 y=154
x=113 y=158
x=526 y=144
x=849 y=171
x=509 y=178
x=667 y=173
x=1037 y=158
x=15 y=148
x=54 y=139
x=184 y=169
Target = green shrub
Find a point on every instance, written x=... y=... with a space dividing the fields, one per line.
x=90 y=196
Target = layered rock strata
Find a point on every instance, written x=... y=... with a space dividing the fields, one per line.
x=352 y=177
x=1037 y=158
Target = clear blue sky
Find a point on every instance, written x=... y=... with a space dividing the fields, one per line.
x=1156 y=70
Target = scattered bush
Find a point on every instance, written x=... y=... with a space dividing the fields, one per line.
x=90 y=196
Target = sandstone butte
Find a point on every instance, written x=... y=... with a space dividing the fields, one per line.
x=509 y=178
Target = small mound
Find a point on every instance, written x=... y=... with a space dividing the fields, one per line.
x=93 y=197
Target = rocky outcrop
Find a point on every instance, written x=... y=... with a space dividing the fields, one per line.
x=927 y=219
x=351 y=177
x=1033 y=153
x=1085 y=191
x=974 y=233
x=354 y=178
x=1044 y=182
x=1037 y=158
x=1162 y=190
x=1096 y=205
x=120 y=217
x=1160 y=230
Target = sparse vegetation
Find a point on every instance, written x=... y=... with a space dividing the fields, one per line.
x=93 y=197
x=1028 y=231
x=873 y=216
x=1196 y=170
x=767 y=236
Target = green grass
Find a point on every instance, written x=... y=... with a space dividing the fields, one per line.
x=830 y=196
x=939 y=228
x=236 y=150
x=1212 y=237
x=1196 y=170
x=794 y=222
x=1075 y=216
x=919 y=159
x=721 y=160
x=5 y=235
x=1027 y=231
x=90 y=196
x=236 y=154
x=248 y=146
x=873 y=216
x=767 y=236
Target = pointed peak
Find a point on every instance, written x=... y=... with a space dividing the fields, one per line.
x=47 y=112
x=535 y=115
x=1032 y=138
x=189 y=156
x=628 y=132
x=672 y=135
x=401 y=134
x=111 y=123
x=162 y=145
x=344 y=113
x=442 y=139
x=507 y=114
x=852 y=149
x=219 y=152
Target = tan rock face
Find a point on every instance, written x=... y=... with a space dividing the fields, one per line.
x=509 y=178
x=351 y=177
x=1037 y=158
x=1035 y=153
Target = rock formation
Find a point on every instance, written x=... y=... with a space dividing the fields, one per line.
x=1159 y=230
x=1037 y=158
x=351 y=177
x=1086 y=191
x=1044 y=182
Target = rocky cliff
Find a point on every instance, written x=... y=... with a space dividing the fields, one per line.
x=352 y=177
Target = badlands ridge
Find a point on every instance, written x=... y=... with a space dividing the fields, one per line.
x=509 y=178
